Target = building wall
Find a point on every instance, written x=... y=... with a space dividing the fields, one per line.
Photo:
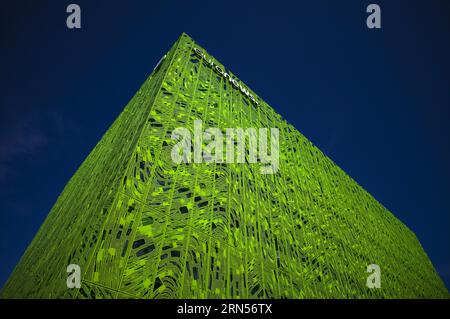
x=141 y=226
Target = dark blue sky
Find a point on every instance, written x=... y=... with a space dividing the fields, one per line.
x=376 y=101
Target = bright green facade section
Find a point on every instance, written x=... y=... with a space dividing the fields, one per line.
x=141 y=226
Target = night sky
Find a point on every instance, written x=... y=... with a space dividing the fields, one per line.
x=377 y=102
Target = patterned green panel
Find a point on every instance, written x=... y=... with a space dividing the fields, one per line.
x=141 y=226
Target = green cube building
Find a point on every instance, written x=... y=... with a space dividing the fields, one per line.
x=140 y=225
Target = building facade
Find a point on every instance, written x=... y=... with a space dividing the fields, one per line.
x=140 y=225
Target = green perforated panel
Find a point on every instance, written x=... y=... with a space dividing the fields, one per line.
x=141 y=226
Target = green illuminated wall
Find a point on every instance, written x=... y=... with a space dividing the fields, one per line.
x=141 y=226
